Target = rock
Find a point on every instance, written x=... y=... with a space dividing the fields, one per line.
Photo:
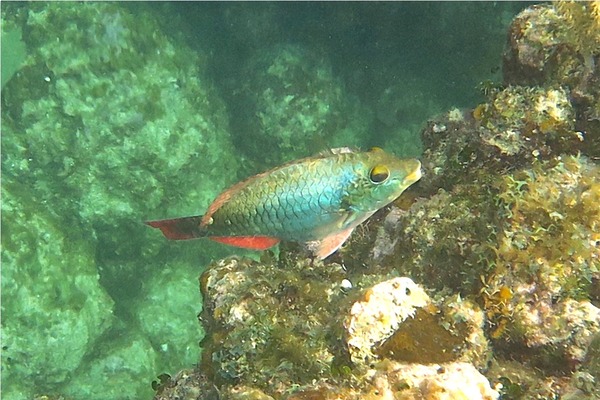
x=291 y=104
x=379 y=313
x=451 y=381
x=55 y=310
x=121 y=369
x=111 y=123
x=396 y=320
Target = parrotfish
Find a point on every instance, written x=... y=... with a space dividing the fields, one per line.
x=316 y=200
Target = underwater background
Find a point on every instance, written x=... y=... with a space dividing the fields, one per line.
x=117 y=113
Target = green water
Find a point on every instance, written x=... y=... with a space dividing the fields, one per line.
x=118 y=112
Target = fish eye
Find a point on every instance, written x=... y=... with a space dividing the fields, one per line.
x=379 y=173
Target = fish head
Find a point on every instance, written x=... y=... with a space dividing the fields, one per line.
x=380 y=178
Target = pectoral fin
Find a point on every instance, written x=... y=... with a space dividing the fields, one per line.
x=326 y=246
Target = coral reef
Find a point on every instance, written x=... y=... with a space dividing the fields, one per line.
x=112 y=134
x=107 y=122
x=516 y=127
x=431 y=382
x=485 y=273
x=449 y=228
x=396 y=381
x=292 y=105
x=54 y=308
x=374 y=319
x=549 y=240
x=275 y=331
x=255 y=313
x=553 y=44
x=548 y=105
x=585 y=382
x=558 y=45
x=396 y=320
x=166 y=314
x=499 y=239
x=187 y=384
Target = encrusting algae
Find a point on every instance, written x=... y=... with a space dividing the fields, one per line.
x=549 y=250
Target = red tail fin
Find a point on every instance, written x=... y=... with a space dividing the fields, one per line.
x=179 y=228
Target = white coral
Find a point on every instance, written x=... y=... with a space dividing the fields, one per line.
x=379 y=314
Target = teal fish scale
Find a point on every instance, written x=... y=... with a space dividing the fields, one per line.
x=287 y=205
x=294 y=211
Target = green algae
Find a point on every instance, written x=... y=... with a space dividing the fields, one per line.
x=120 y=369
x=166 y=315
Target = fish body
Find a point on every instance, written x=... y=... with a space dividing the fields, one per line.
x=316 y=200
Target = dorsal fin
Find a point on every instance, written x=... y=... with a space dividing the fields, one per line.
x=336 y=150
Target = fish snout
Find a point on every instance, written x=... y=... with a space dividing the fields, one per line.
x=415 y=167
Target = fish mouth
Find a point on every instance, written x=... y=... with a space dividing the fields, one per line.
x=415 y=175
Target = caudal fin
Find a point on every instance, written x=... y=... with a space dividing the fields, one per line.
x=179 y=228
